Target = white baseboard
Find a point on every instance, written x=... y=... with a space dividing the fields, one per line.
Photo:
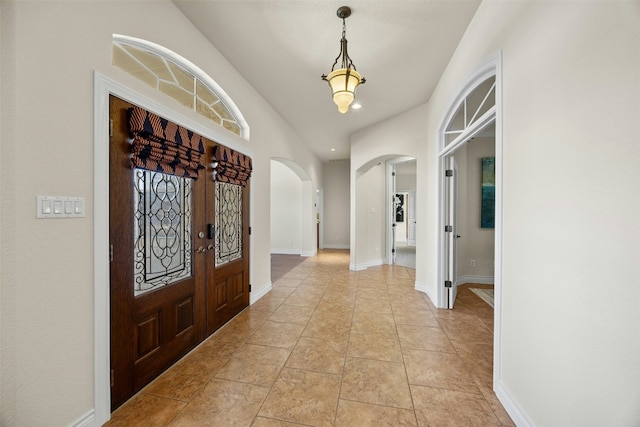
x=511 y=405
x=365 y=265
x=309 y=253
x=483 y=280
x=422 y=287
x=286 y=251
x=337 y=246
x=87 y=420
x=357 y=267
x=256 y=295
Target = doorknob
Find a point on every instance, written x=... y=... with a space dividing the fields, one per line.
x=210 y=247
x=201 y=249
x=458 y=236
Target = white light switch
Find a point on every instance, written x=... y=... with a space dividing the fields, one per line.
x=59 y=207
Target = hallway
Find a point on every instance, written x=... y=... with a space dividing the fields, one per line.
x=332 y=347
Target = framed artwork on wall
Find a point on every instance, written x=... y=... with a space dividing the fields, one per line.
x=488 y=202
x=399 y=205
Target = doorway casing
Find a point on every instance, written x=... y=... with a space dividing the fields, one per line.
x=389 y=193
x=103 y=87
x=490 y=67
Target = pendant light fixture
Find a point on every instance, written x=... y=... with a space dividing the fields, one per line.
x=344 y=80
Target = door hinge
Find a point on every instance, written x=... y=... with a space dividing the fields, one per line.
x=448 y=172
x=448 y=284
x=249 y=231
x=448 y=228
x=110 y=253
x=249 y=287
x=393 y=173
x=110 y=127
x=112 y=375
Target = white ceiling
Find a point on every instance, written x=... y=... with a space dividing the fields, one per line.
x=282 y=48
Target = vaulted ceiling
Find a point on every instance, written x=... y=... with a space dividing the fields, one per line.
x=282 y=48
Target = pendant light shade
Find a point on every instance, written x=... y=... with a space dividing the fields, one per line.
x=344 y=80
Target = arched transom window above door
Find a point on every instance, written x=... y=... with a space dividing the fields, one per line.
x=473 y=107
x=178 y=78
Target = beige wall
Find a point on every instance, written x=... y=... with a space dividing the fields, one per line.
x=336 y=204
x=570 y=318
x=50 y=51
x=571 y=203
x=286 y=210
x=476 y=243
x=370 y=247
x=369 y=147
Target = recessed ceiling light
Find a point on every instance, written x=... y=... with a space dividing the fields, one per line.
x=333 y=149
x=356 y=106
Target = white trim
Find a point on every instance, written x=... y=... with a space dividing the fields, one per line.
x=483 y=280
x=101 y=322
x=485 y=70
x=492 y=65
x=320 y=215
x=103 y=87
x=294 y=252
x=388 y=211
x=497 y=312
x=338 y=246
x=255 y=296
x=511 y=405
x=87 y=420
x=422 y=287
x=486 y=119
x=365 y=265
x=286 y=251
x=357 y=267
x=193 y=69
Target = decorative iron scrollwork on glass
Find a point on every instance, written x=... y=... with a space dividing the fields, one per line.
x=162 y=232
x=228 y=222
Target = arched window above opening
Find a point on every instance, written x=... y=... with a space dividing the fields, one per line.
x=178 y=78
x=480 y=101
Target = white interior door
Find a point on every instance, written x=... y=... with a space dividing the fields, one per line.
x=392 y=210
x=411 y=218
x=451 y=189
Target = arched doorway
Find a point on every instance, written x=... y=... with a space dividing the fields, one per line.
x=475 y=111
x=293 y=209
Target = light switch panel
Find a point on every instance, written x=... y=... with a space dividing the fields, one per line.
x=59 y=207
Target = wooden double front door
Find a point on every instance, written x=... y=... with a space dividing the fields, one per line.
x=179 y=260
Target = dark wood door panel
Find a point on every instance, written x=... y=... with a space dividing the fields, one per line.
x=227 y=295
x=151 y=331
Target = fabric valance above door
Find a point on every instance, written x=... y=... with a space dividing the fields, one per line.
x=231 y=166
x=163 y=146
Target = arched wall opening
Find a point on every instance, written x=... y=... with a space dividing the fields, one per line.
x=293 y=209
x=475 y=113
x=371 y=191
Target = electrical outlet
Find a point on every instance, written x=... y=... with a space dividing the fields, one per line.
x=472 y=263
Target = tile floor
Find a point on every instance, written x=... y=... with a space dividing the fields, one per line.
x=332 y=347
